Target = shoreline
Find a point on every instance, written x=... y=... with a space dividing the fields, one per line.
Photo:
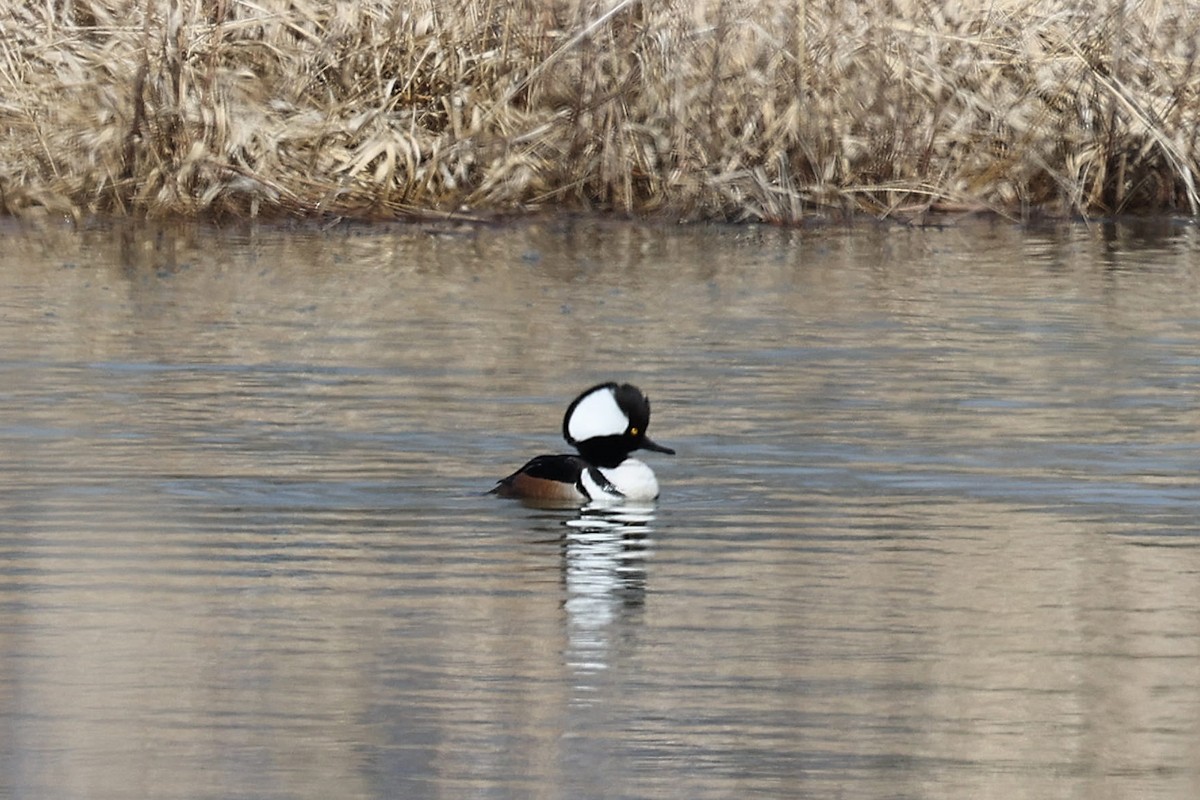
x=776 y=111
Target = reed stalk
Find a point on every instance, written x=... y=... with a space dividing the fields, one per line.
x=727 y=109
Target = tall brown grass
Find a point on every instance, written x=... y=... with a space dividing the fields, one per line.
x=727 y=109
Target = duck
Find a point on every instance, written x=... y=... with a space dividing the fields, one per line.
x=604 y=424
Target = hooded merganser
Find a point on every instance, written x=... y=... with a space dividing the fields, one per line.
x=605 y=424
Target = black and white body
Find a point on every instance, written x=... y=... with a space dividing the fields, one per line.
x=605 y=424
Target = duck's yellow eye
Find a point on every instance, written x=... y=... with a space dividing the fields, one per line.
x=633 y=431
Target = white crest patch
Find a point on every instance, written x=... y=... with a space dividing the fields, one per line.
x=597 y=415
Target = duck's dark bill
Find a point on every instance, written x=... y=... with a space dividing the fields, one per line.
x=649 y=444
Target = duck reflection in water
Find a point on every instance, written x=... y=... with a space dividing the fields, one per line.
x=605 y=550
x=606 y=546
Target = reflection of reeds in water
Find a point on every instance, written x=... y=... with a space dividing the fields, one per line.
x=751 y=109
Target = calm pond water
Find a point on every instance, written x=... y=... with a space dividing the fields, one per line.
x=931 y=531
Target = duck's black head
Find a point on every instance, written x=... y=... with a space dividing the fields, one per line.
x=608 y=422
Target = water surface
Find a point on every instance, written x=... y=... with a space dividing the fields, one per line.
x=930 y=532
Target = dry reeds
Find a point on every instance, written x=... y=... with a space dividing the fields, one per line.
x=726 y=109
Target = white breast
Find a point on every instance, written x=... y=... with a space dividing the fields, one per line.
x=633 y=479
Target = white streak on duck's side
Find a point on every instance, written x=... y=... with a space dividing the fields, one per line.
x=598 y=487
x=633 y=479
